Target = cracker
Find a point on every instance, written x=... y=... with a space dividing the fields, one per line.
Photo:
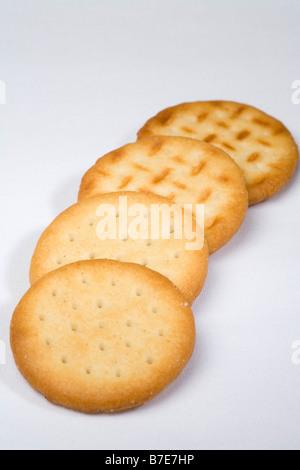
x=74 y=236
x=183 y=170
x=260 y=144
x=102 y=336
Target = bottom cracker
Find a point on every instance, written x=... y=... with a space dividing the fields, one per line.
x=102 y=336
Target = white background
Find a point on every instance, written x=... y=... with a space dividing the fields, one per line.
x=82 y=77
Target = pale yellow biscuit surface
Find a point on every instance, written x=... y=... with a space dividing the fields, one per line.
x=76 y=235
x=183 y=170
x=101 y=336
x=260 y=144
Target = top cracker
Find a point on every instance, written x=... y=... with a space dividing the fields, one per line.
x=260 y=144
x=184 y=171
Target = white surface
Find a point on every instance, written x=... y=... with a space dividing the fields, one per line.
x=82 y=77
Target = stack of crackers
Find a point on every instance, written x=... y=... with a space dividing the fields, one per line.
x=107 y=323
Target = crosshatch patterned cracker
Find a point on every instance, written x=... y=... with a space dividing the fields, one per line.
x=183 y=170
x=102 y=336
x=74 y=236
x=260 y=144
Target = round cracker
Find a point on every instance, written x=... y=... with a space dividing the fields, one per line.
x=183 y=170
x=101 y=336
x=260 y=144
x=74 y=236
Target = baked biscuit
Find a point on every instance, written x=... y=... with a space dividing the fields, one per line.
x=260 y=144
x=183 y=170
x=75 y=236
x=102 y=336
